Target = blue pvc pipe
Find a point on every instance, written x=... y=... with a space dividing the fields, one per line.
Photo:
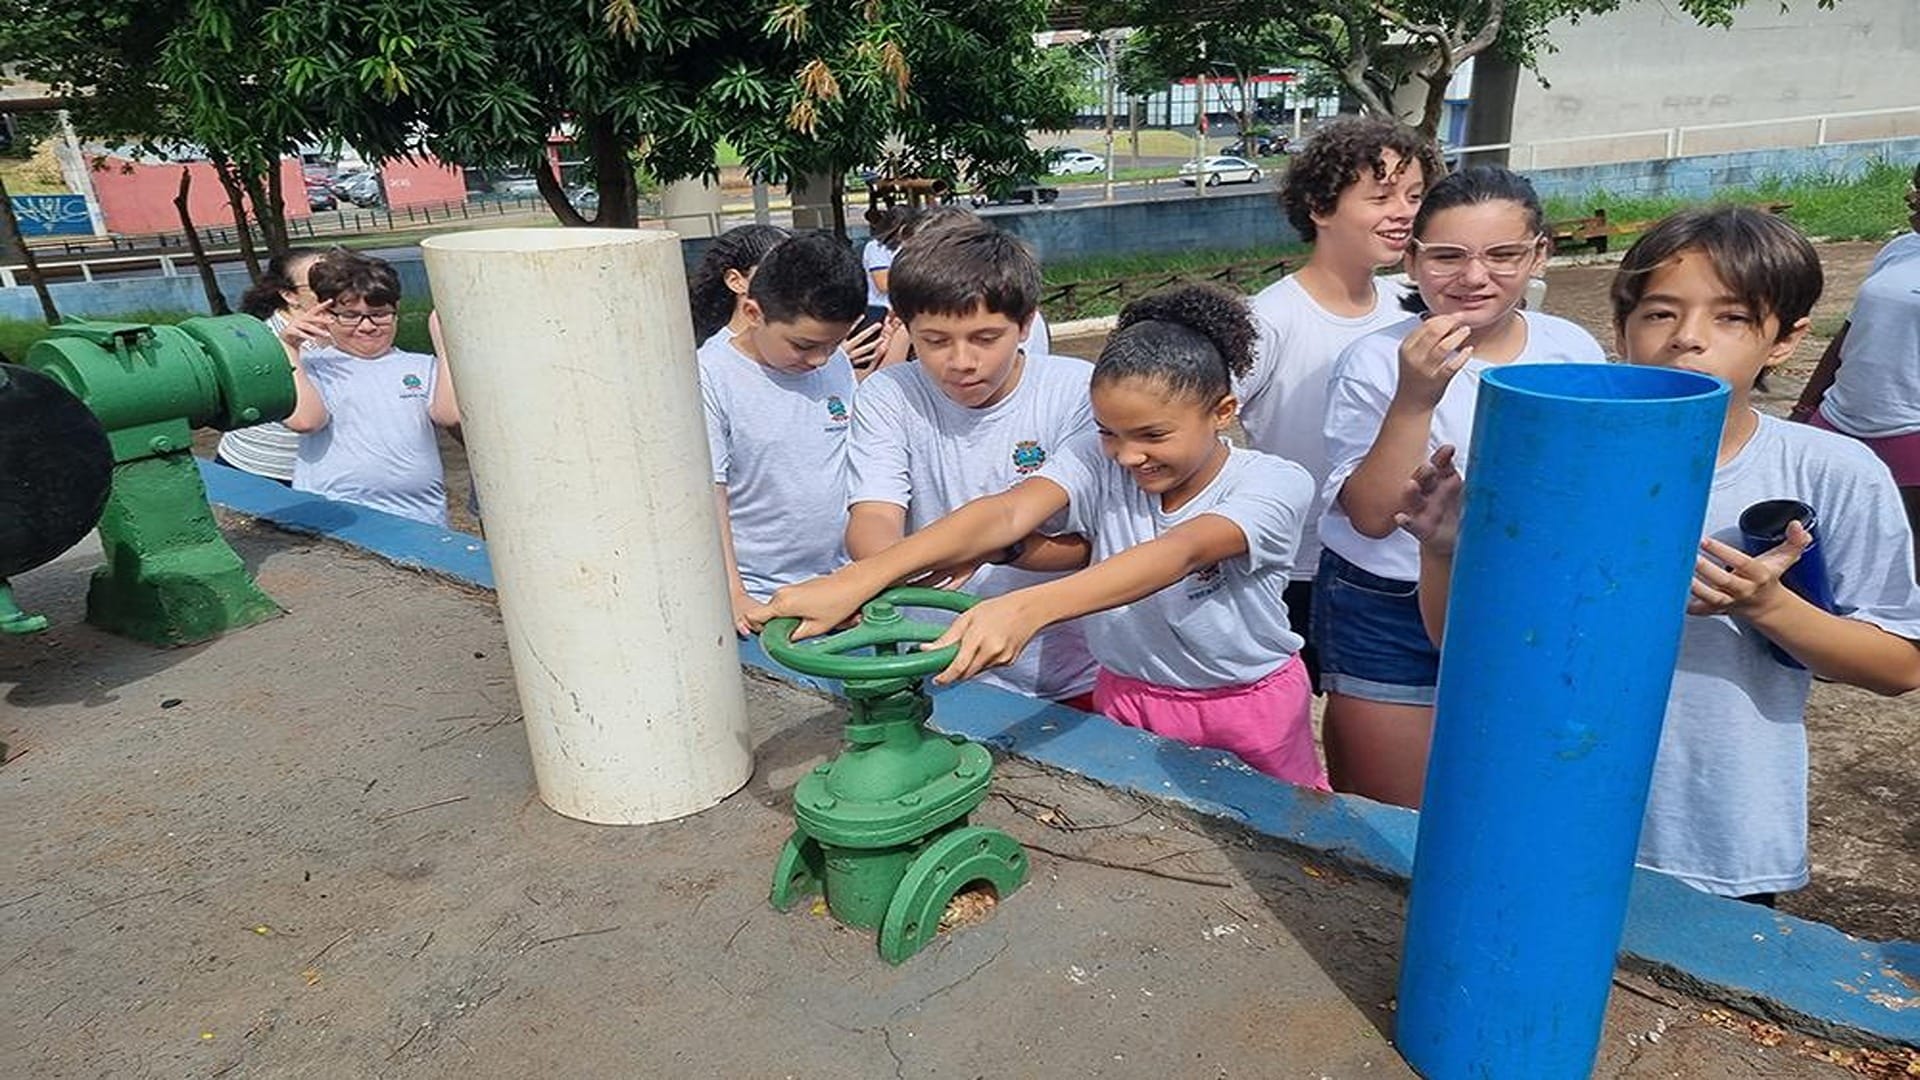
x=1585 y=499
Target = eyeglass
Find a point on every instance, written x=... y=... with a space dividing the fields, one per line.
x=355 y=318
x=1501 y=260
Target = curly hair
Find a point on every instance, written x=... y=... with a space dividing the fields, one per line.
x=1339 y=154
x=739 y=249
x=1193 y=339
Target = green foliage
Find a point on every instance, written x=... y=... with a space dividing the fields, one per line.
x=1869 y=208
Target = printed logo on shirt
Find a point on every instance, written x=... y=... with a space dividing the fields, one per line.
x=411 y=386
x=836 y=409
x=1203 y=582
x=1028 y=456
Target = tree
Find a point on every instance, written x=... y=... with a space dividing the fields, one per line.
x=799 y=87
x=1375 y=47
x=1168 y=52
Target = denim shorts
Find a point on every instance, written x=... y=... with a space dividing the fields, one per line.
x=1368 y=632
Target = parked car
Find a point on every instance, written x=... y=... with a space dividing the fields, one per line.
x=362 y=189
x=1070 y=162
x=1262 y=146
x=319 y=195
x=1220 y=170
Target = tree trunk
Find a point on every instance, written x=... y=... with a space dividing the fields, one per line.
x=274 y=217
x=551 y=190
x=237 y=199
x=840 y=203
x=1436 y=103
x=275 y=238
x=613 y=176
x=216 y=301
x=11 y=240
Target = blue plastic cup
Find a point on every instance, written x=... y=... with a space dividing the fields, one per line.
x=1763 y=527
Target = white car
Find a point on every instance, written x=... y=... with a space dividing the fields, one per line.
x=1077 y=163
x=1220 y=170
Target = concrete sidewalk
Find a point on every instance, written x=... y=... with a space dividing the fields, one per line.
x=313 y=849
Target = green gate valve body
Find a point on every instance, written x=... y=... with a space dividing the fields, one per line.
x=170 y=577
x=882 y=829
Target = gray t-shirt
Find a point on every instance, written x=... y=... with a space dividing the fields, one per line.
x=1283 y=399
x=1728 y=808
x=779 y=444
x=1224 y=625
x=913 y=447
x=1876 y=392
x=379 y=447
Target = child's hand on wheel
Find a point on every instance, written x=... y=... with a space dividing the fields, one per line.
x=820 y=604
x=990 y=634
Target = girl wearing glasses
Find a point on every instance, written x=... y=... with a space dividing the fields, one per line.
x=1395 y=397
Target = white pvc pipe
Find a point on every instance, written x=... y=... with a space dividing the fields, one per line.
x=573 y=353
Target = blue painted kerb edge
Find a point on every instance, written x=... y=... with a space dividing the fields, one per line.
x=1774 y=964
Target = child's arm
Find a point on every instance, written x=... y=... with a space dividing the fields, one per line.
x=978 y=529
x=309 y=407
x=1432 y=516
x=1730 y=582
x=994 y=631
x=736 y=588
x=873 y=527
x=1822 y=379
x=1429 y=358
x=444 y=407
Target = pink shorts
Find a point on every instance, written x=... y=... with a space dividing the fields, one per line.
x=1269 y=724
x=1900 y=452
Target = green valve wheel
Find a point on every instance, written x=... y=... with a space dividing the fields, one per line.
x=883 y=629
x=966 y=856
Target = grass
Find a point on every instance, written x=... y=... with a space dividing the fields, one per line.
x=1869 y=208
x=17 y=335
x=1154 y=269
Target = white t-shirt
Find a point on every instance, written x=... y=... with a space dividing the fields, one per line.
x=379 y=448
x=1283 y=400
x=779 y=444
x=1364 y=379
x=1876 y=392
x=1225 y=625
x=1038 y=342
x=1727 y=811
x=913 y=447
x=876 y=256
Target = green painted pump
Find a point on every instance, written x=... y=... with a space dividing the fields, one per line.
x=169 y=577
x=882 y=829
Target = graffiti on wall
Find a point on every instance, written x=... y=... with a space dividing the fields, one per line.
x=52 y=215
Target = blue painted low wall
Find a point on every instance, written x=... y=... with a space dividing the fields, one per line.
x=124 y=296
x=1213 y=223
x=1705 y=176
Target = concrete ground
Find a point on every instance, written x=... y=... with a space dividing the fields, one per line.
x=313 y=848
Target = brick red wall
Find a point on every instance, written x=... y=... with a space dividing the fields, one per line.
x=137 y=199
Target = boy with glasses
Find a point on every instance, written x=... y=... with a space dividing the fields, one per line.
x=366 y=411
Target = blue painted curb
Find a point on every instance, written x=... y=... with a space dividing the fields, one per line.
x=1803 y=973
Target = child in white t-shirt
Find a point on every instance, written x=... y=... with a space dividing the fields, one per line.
x=974 y=416
x=779 y=397
x=1727 y=292
x=1351 y=192
x=1395 y=396
x=1192 y=541
x=367 y=413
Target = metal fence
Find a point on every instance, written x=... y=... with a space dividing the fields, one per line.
x=1819 y=129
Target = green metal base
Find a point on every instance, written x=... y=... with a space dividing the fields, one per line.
x=956 y=861
x=170 y=578
x=12 y=619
